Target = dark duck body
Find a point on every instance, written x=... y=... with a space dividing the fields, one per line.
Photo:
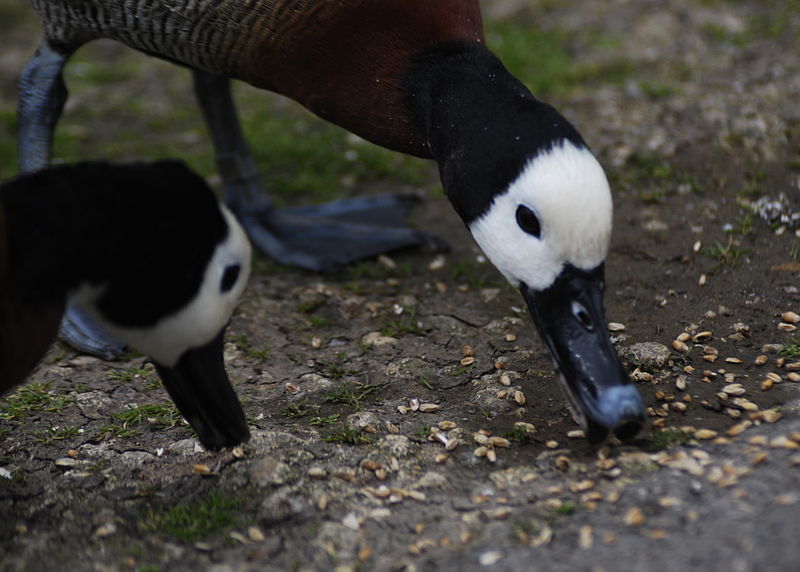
x=148 y=252
x=410 y=75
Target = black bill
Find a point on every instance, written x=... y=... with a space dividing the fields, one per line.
x=570 y=318
x=199 y=386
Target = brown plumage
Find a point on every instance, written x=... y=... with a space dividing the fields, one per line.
x=345 y=60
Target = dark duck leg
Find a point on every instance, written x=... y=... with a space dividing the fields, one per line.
x=320 y=237
x=41 y=101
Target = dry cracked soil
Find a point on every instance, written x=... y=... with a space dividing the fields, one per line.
x=404 y=413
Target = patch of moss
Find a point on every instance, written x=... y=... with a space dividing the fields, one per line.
x=32 y=397
x=210 y=516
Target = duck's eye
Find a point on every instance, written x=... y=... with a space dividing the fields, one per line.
x=528 y=221
x=229 y=277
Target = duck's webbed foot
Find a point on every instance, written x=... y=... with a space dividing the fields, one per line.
x=328 y=236
x=82 y=333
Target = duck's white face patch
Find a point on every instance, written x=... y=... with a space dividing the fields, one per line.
x=202 y=318
x=567 y=190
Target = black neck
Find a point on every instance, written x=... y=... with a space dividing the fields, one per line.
x=482 y=124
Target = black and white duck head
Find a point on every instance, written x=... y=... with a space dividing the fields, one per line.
x=539 y=205
x=549 y=233
x=148 y=254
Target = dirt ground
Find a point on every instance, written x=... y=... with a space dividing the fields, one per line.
x=354 y=383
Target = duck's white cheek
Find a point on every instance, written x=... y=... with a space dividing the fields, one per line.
x=518 y=256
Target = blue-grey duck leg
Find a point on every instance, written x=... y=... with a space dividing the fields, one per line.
x=319 y=237
x=42 y=95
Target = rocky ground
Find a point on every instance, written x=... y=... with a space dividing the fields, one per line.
x=404 y=413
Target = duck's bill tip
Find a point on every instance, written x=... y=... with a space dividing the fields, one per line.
x=570 y=318
x=200 y=388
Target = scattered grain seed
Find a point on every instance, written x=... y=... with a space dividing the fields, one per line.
x=503 y=393
x=502 y=513
x=634 y=517
x=585 y=537
x=437 y=263
x=780 y=361
x=551 y=444
x=317 y=473
x=511 y=338
x=606 y=464
x=767 y=384
x=783 y=442
x=402 y=409
x=490 y=558
x=795 y=436
x=758 y=440
x=561 y=462
x=428 y=407
x=72 y=454
x=761 y=359
x=785 y=327
x=739 y=428
x=770 y=415
x=794 y=366
x=527 y=427
x=688 y=369
x=582 y=486
x=679 y=346
x=639 y=375
x=705 y=434
x=734 y=389
x=467 y=361
x=679 y=407
x=697 y=246
x=744 y=403
x=441 y=458
x=659 y=423
x=680 y=383
x=370 y=465
x=774 y=377
x=201 y=469
x=505 y=380
x=710 y=350
x=481 y=451
x=576 y=434
x=616 y=327
x=348 y=475
x=468 y=351
x=702 y=336
x=292 y=388
x=702 y=280
x=790 y=317
x=793 y=376
x=446 y=425
x=733 y=360
x=413 y=405
x=519 y=397
x=491 y=455
x=683 y=336
x=669 y=502
x=316 y=342
x=499 y=442
x=711 y=358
